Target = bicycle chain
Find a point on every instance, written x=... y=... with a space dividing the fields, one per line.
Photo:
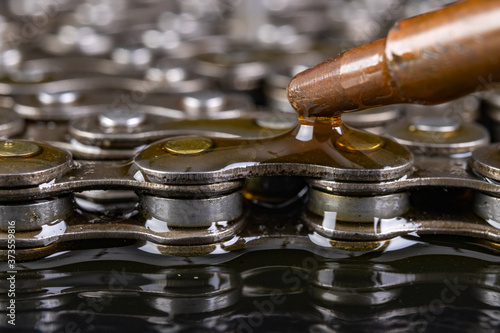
x=229 y=282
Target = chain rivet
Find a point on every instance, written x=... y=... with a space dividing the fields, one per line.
x=434 y=124
x=188 y=146
x=203 y=100
x=64 y=97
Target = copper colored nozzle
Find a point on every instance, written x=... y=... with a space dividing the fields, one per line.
x=427 y=59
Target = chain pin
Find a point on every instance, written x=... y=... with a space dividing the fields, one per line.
x=188 y=146
x=9 y=148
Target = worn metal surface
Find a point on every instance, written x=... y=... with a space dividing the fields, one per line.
x=34 y=164
x=357 y=209
x=193 y=213
x=33 y=215
x=439 y=136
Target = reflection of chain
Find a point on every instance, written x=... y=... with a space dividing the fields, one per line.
x=82 y=96
x=330 y=285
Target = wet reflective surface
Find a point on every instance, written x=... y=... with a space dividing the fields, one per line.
x=407 y=284
x=315 y=142
x=274 y=275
